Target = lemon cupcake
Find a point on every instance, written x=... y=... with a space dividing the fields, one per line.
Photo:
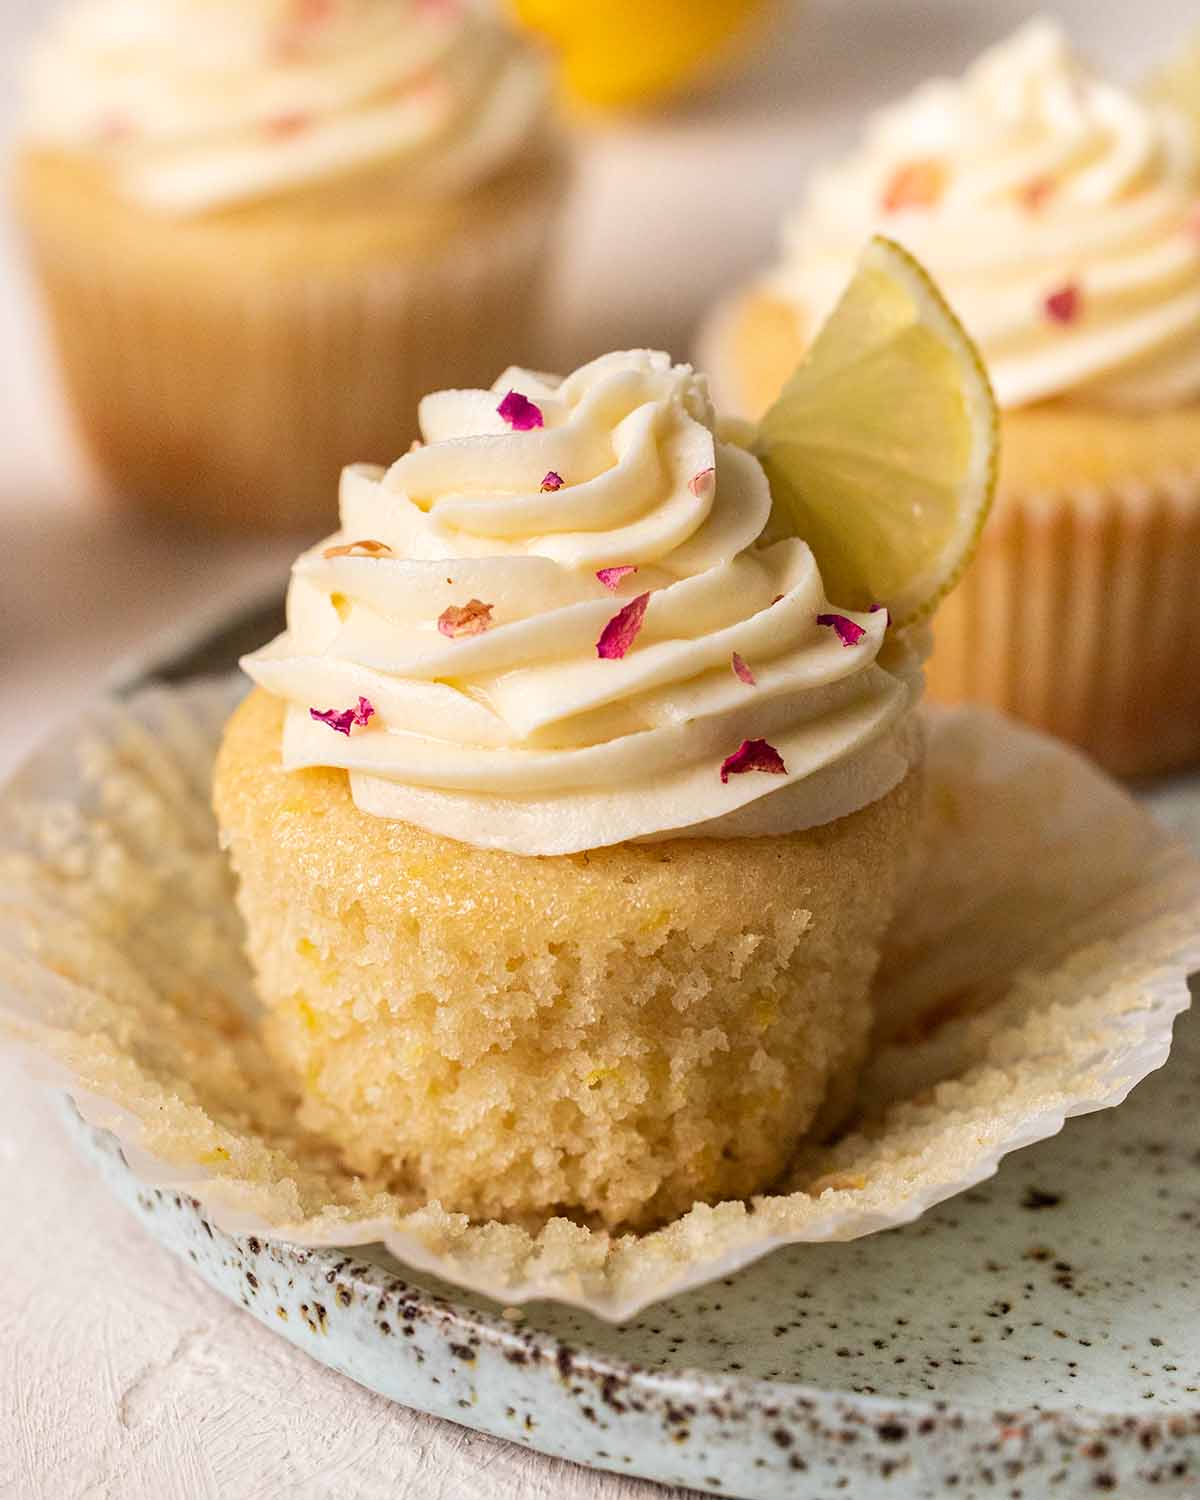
x=1177 y=82
x=264 y=227
x=569 y=813
x=1059 y=215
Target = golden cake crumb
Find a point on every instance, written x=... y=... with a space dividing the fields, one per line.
x=613 y=1035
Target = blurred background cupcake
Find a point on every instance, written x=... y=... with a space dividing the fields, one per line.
x=1177 y=81
x=1060 y=215
x=264 y=227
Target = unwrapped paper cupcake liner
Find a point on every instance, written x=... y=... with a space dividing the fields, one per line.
x=1081 y=615
x=217 y=394
x=1035 y=974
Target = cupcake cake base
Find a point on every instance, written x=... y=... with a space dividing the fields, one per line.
x=617 y=1034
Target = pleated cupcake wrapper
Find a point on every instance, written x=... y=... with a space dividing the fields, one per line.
x=1081 y=615
x=211 y=399
x=1035 y=975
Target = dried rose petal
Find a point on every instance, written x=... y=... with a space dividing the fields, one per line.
x=283 y=127
x=621 y=631
x=611 y=577
x=874 y=610
x=1034 y=194
x=344 y=719
x=701 y=484
x=306 y=17
x=753 y=755
x=848 y=632
x=520 y=413
x=916 y=184
x=471 y=618
x=114 y=129
x=366 y=548
x=776 y=600
x=1064 y=305
x=552 y=481
x=742 y=671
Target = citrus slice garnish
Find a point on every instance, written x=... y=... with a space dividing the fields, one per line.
x=882 y=448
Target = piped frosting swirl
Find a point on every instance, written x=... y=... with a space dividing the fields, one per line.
x=517 y=733
x=198 y=105
x=1057 y=212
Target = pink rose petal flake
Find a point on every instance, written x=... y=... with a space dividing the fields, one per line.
x=343 y=720
x=753 y=755
x=849 y=632
x=1035 y=194
x=115 y=130
x=702 y=484
x=622 y=630
x=553 y=481
x=741 y=671
x=611 y=577
x=305 y=18
x=916 y=184
x=520 y=413
x=471 y=618
x=1064 y=305
x=285 y=127
x=368 y=547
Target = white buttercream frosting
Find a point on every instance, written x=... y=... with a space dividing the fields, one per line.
x=202 y=104
x=1029 y=188
x=522 y=737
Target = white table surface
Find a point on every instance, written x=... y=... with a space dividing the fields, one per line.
x=122 y=1376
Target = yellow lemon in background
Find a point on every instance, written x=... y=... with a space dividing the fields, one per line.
x=617 y=53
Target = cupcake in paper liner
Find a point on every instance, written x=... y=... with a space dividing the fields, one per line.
x=568 y=822
x=574 y=908
x=1058 y=215
x=1034 y=972
x=1176 y=81
x=264 y=228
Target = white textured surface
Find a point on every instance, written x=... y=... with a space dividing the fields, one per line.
x=121 y=1377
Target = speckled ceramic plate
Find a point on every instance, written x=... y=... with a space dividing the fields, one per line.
x=1038 y=1336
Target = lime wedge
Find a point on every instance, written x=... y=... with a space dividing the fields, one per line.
x=881 y=449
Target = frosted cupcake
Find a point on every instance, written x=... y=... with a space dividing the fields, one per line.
x=1177 y=82
x=569 y=812
x=265 y=227
x=575 y=906
x=1058 y=214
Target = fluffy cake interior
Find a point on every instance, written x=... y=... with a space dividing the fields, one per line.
x=613 y=1035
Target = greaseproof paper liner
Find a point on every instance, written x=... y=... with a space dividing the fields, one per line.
x=1079 y=614
x=235 y=389
x=1035 y=975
